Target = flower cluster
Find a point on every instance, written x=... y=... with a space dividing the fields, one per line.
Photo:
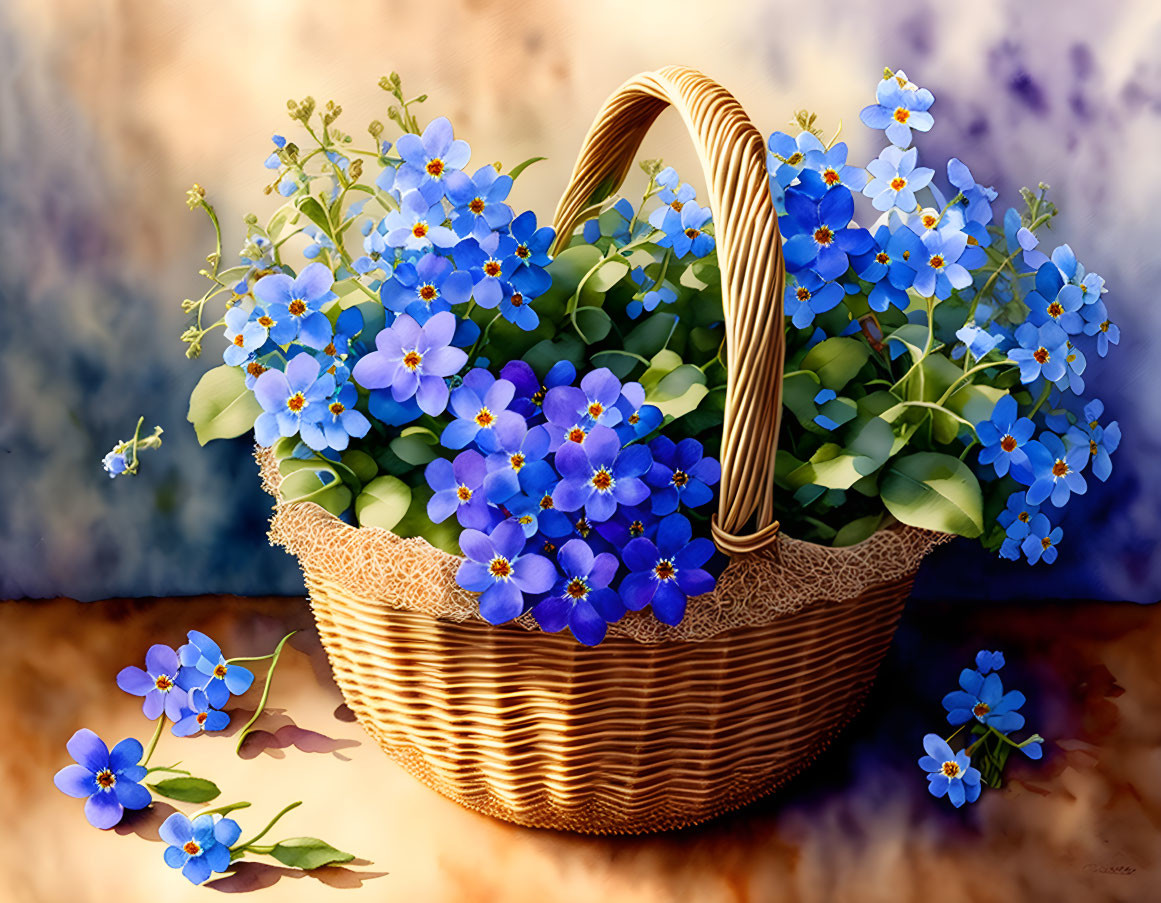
x=992 y=715
x=977 y=336
x=188 y=687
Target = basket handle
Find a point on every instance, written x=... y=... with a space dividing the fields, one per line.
x=733 y=157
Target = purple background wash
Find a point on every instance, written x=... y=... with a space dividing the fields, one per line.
x=106 y=117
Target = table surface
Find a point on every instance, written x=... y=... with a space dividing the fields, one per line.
x=1083 y=824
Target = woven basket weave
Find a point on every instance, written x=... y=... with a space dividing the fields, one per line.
x=657 y=727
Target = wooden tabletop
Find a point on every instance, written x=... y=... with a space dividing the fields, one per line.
x=1083 y=824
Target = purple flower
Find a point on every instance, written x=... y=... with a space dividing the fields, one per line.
x=425 y=288
x=413 y=361
x=479 y=201
x=458 y=487
x=418 y=224
x=200 y=716
x=984 y=699
x=581 y=598
x=668 y=571
x=482 y=416
x=519 y=454
x=1004 y=435
x=430 y=159
x=530 y=391
x=339 y=422
x=680 y=475
x=290 y=399
x=949 y=773
x=295 y=305
x=595 y=402
x=199 y=847
x=495 y=567
x=896 y=179
x=901 y=107
x=106 y=781
x=157 y=683
x=599 y=474
x=203 y=665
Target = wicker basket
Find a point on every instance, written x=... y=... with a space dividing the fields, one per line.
x=657 y=727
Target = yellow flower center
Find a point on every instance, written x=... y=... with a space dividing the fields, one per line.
x=492 y=268
x=902 y=114
x=106 y=779
x=546 y=503
x=191 y=847
x=516 y=461
x=823 y=235
x=937 y=262
x=898 y=183
x=220 y=670
x=951 y=769
x=265 y=321
x=1008 y=443
x=500 y=568
x=428 y=293
x=602 y=480
x=476 y=205
x=1041 y=355
x=576 y=589
x=523 y=252
x=577 y=434
x=680 y=478
x=485 y=418
x=1055 y=309
x=830 y=176
x=297 y=307
x=435 y=167
x=981 y=709
x=692 y=233
x=337 y=407
x=1060 y=469
x=412 y=360
x=419 y=230
x=664 y=569
x=163 y=682
x=296 y=402
x=463 y=493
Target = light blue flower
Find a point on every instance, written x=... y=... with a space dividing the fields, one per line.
x=429 y=159
x=291 y=398
x=949 y=773
x=1042 y=351
x=896 y=178
x=901 y=107
x=1004 y=435
x=199 y=847
x=1056 y=470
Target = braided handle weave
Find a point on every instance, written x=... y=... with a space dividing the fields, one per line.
x=733 y=157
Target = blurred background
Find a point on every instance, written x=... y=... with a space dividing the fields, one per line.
x=111 y=109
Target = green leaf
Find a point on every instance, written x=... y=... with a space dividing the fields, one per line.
x=314 y=212
x=415 y=446
x=836 y=361
x=383 y=502
x=798 y=392
x=515 y=171
x=308 y=853
x=187 y=790
x=607 y=275
x=304 y=485
x=673 y=387
x=362 y=464
x=220 y=406
x=913 y=336
x=651 y=334
x=872 y=442
x=935 y=492
x=593 y=324
x=541 y=356
x=858 y=530
x=663 y=362
x=830 y=467
x=621 y=363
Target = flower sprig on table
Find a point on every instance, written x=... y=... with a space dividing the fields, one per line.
x=122 y=458
x=992 y=715
x=188 y=687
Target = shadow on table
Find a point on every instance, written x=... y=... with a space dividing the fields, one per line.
x=250 y=876
x=280 y=732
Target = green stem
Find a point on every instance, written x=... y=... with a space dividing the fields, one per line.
x=132 y=468
x=221 y=810
x=649 y=192
x=249 y=658
x=257 y=837
x=1044 y=393
x=955 y=733
x=173 y=769
x=153 y=742
x=976 y=369
x=265 y=690
x=926 y=348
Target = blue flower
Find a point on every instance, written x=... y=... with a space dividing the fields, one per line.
x=1102 y=441
x=457 y=488
x=1056 y=471
x=652 y=294
x=829 y=169
x=482 y=416
x=680 y=475
x=425 y=288
x=1022 y=240
x=684 y=231
x=949 y=773
x=977 y=199
x=882 y=260
x=517 y=459
x=1041 y=541
x=901 y=107
x=1053 y=300
x=532 y=244
x=530 y=392
x=986 y=661
x=289 y=399
x=598 y=475
x=203 y=665
x=273 y=161
x=539 y=484
x=414 y=361
x=819 y=233
x=157 y=683
x=637 y=418
x=479 y=201
x=495 y=566
x=418 y=224
x=1042 y=351
x=788 y=156
x=200 y=716
x=809 y=295
x=1074 y=364
x=199 y=847
x=935 y=259
x=107 y=781
x=1004 y=435
x=1097 y=322
x=115 y=463
x=245 y=336
x=978 y=341
x=672 y=188
x=667 y=571
x=491 y=262
x=1016 y=517
x=580 y=598
x=896 y=179
x=295 y=305
x=614 y=224
x=338 y=424
x=984 y=699
x=516 y=308
x=429 y=159
x=630 y=522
